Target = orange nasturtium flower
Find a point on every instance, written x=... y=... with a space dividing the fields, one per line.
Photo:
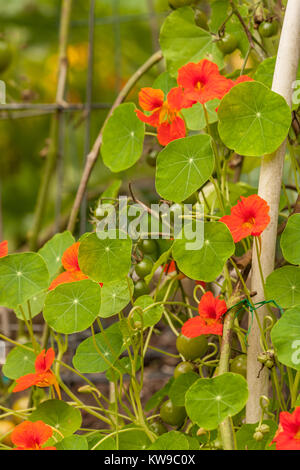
x=3 y=249
x=43 y=376
x=72 y=271
x=202 y=82
x=209 y=321
x=32 y=436
x=250 y=216
x=287 y=436
x=164 y=114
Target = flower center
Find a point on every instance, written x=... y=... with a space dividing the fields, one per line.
x=167 y=113
x=297 y=435
x=249 y=223
x=199 y=85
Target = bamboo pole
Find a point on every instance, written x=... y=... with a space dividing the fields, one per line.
x=269 y=189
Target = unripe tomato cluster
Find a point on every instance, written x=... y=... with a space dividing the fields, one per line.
x=149 y=250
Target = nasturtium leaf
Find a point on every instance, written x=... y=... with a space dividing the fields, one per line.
x=123 y=365
x=73 y=307
x=36 y=306
x=124 y=151
x=58 y=414
x=74 y=442
x=183 y=167
x=207 y=262
x=115 y=296
x=107 y=259
x=101 y=442
x=147 y=316
x=246 y=441
x=159 y=262
x=165 y=82
x=195 y=117
x=265 y=71
x=209 y=401
x=111 y=192
x=253 y=120
x=289 y=241
x=182 y=41
x=19 y=362
x=180 y=386
x=22 y=276
x=133 y=438
x=285 y=336
x=158 y=396
x=53 y=250
x=172 y=440
x=219 y=9
x=88 y=359
x=283 y=286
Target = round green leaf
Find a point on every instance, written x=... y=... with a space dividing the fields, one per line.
x=207 y=262
x=101 y=442
x=195 y=117
x=53 y=250
x=74 y=442
x=172 y=440
x=209 y=401
x=253 y=120
x=180 y=386
x=133 y=439
x=265 y=71
x=152 y=315
x=245 y=440
x=183 y=166
x=87 y=358
x=123 y=138
x=73 y=307
x=289 y=241
x=165 y=82
x=59 y=415
x=22 y=276
x=283 y=286
x=286 y=338
x=36 y=306
x=19 y=362
x=105 y=260
x=182 y=41
x=115 y=296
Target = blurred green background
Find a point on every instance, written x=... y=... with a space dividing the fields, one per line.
x=126 y=34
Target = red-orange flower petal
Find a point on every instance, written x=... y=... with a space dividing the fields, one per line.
x=70 y=258
x=32 y=436
x=150 y=98
x=44 y=360
x=202 y=82
x=197 y=326
x=152 y=119
x=288 y=435
x=169 y=131
x=3 y=248
x=178 y=100
x=211 y=307
x=249 y=217
x=24 y=382
x=66 y=277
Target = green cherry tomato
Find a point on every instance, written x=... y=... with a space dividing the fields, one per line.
x=151 y=158
x=171 y=414
x=144 y=267
x=158 y=428
x=227 y=44
x=191 y=348
x=182 y=368
x=268 y=29
x=148 y=246
x=5 y=55
x=201 y=19
x=239 y=365
x=140 y=289
x=180 y=3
